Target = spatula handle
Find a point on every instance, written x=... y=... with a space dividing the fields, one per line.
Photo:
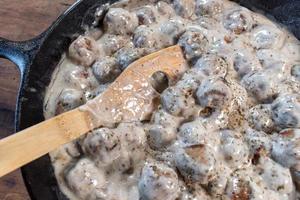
x=36 y=141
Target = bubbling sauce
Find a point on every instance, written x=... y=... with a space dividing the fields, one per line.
x=228 y=129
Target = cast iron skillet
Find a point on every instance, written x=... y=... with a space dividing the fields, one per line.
x=37 y=58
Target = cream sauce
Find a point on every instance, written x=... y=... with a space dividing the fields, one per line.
x=228 y=129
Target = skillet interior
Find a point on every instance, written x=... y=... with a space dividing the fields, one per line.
x=38 y=175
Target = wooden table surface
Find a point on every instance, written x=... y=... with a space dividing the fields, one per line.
x=19 y=20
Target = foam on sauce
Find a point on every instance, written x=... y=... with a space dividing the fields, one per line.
x=228 y=129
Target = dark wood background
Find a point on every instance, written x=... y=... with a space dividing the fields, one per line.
x=19 y=20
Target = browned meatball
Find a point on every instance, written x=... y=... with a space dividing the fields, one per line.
x=158 y=181
x=262 y=85
x=103 y=145
x=238 y=20
x=112 y=43
x=120 y=21
x=194 y=44
x=211 y=64
x=214 y=93
x=196 y=163
x=86 y=180
x=260 y=118
x=208 y=7
x=84 y=51
x=286 y=111
x=145 y=37
x=176 y=100
x=146 y=14
x=184 y=8
x=266 y=37
x=160 y=137
x=170 y=31
x=106 y=69
x=243 y=65
x=286 y=148
x=68 y=100
x=128 y=55
x=165 y=9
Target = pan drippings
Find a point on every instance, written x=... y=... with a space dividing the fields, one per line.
x=228 y=129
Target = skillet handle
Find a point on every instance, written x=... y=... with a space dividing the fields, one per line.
x=21 y=53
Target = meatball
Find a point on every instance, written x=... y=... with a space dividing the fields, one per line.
x=276 y=177
x=112 y=43
x=267 y=57
x=160 y=137
x=157 y=182
x=85 y=180
x=260 y=118
x=233 y=148
x=165 y=9
x=68 y=100
x=72 y=150
x=217 y=186
x=133 y=134
x=191 y=80
x=196 y=163
x=184 y=8
x=295 y=71
x=163 y=131
x=211 y=64
x=208 y=7
x=245 y=184
x=286 y=111
x=145 y=37
x=84 y=51
x=163 y=118
x=103 y=145
x=194 y=44
x=213 y=93
x=238 y=20
x=170 y=30
x=146 y=14
x=286 y=147
x=258 y=142
x=133 y=140
x=106 y=69
x=266 y=37
x=239 y=187
x=192 y=133
x=243 y=65
x=128 y=55
x=176 y=101
x=262 y=85
x=120 y=21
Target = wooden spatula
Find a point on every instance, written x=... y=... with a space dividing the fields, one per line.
x=129 y=98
